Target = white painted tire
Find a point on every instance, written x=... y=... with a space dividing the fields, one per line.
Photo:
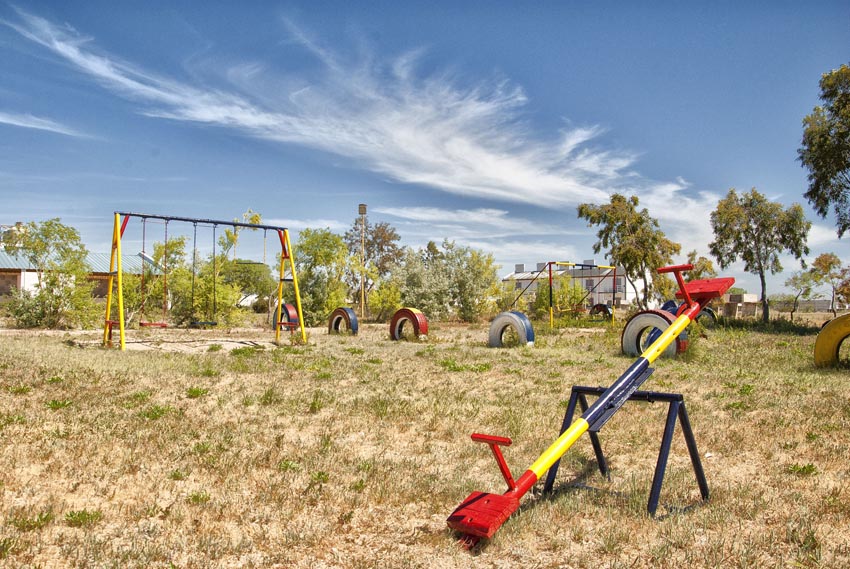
x=643 y=327
x=515 y=321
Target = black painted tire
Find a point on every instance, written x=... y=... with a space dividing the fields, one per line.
x=602 y=310
x=515 y=321
x=707 y=317
x=402 y=317
x=343 y=319
x=646 y=326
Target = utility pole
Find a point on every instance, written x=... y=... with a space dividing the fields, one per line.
x=362 y=210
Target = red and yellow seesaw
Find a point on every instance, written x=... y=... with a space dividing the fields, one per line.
x=482 y=513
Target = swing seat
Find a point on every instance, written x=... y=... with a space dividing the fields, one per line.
x=201 y=324
x=153 y=324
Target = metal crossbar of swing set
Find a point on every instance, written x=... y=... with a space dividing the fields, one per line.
x=482 y=513
x=201 y=221
x=115 y=272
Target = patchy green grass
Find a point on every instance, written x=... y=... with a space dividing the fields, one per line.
x=26 y=523
x=196 y=392
x=82 y=518
x=56 y=404
x=351 y=451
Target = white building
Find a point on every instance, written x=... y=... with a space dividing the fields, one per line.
x=18 y=273
x=603 y=285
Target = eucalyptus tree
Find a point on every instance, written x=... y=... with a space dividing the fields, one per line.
x=755 y=230
x=825 y=149
x=632 y=239
x=827 y=270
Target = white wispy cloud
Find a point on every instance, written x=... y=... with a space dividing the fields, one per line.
x=529 y=253
x=822 y=236
x=383 y=115
x=684 y=217
x=480 y=222
x=299 y=224
x=37 y=123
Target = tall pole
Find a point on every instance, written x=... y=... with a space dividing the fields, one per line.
x=362 y=210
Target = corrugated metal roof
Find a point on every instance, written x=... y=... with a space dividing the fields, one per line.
x=8 y=261
x=97 y=262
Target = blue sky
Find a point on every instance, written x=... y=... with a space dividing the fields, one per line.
x=486 y=123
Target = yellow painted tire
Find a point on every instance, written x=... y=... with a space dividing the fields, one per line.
x=829 y=341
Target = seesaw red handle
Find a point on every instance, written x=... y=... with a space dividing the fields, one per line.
x=674 y=268
x=677 y=271
x=494 y=442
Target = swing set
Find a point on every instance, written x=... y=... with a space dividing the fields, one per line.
x=116 y=277
x=595 y=275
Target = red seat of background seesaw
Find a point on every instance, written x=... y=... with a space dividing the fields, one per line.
x=704 y=290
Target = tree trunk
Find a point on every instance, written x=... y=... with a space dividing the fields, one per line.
x=637 y=294
x=794 y=307
x=832 y=304
x=765 y=307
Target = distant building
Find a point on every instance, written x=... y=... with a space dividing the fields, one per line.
x=604 y=286
x=98 y=264
x=17 y=272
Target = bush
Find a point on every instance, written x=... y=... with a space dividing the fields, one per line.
x=25 y=310
x=63 y=297
x=384 y=301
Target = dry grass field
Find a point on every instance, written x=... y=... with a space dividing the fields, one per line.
x=217 y=449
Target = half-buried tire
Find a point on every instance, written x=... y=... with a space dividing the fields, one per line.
x=707 y=317
x=416 y=322
x=828 y=342
x=601 y=311
x=288 y=317
x=644 y=328
x=342 y=319
x=511 y=329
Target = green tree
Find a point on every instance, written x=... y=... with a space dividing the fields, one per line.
x=382 y=254
x=826 y=270
x=156 y=295
x=803 y=284
x=321 y=259
x=251 y=278
x=825 y=150
x=446 y=281
x=632 y=239
x=568 y=297
x=192 y=290
x=423 y=282
x=229 y=239
x=507 y=297
x=755 y=230
x=471 y=273
x=214 y=299
x=703 y=267
x=842 y=291
x=384 y=300
x=63 y=297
